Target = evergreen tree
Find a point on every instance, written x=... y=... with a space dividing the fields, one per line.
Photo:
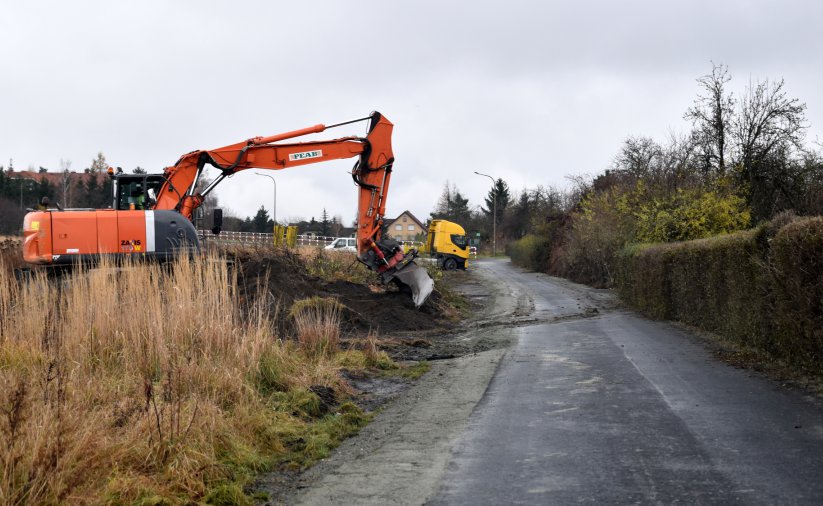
x=325 y=224
x=261 y=221
x=517 y=221
x=452 y=206
x=45 y=189
x=91 y=190
x=500 y=194
x=94 y=187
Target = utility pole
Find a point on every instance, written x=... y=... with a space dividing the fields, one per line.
x=494 y=213
x=21 y=180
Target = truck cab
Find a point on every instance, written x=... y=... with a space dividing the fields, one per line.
x=448 y=245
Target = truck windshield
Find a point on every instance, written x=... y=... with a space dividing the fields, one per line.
x=459 y=241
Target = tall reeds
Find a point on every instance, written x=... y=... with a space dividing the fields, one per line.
x=131 y=381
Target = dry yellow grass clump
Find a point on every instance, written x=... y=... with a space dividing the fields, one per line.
x=335 y=265
x=144 y=383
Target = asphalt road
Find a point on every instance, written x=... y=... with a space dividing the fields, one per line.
x=616 y=409
x=579 y=401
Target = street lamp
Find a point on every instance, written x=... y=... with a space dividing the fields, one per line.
x=274 y=205
x=494 y=213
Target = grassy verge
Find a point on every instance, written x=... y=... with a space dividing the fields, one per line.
x=142 y=384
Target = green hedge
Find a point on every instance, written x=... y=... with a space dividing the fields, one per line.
x=762 y=287
x=530 y=251
x=797 y=268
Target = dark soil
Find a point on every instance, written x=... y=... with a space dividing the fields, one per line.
x=281 y=277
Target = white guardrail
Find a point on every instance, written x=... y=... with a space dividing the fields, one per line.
x=262 y=238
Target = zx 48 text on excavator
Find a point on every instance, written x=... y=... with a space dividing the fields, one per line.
x=163 y=227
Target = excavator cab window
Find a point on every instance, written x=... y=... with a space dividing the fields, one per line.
x=136 y=191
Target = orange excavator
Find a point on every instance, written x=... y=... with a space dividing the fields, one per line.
x=151 y=214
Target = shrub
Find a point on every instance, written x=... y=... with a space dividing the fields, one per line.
x=690 y=214
x=530 y=252
x=610 y=219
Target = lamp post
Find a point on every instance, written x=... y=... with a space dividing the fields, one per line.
x=274 y=204
x=494 y=213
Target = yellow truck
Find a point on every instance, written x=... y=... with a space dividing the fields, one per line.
x=448 y=244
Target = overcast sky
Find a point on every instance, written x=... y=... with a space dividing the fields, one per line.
x=528 y=91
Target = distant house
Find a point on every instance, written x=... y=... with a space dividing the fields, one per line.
x=405 y=227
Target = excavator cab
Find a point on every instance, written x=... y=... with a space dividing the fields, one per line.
x=136 y=191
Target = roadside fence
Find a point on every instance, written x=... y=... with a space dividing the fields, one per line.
x=288 y=237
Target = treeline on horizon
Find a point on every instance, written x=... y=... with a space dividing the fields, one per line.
x=92 y=189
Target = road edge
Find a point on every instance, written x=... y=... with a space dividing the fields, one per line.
x=401 y=456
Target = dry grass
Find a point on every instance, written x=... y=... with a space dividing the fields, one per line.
x=136 y=383
x=317 y=324
x=335 y=265
x=11 y=254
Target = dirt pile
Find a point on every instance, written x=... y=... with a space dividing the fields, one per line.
x=282 y=277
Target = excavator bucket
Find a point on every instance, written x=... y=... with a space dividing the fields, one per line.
x=418 y=280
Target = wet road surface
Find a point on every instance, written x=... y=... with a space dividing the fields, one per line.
x=600 y=406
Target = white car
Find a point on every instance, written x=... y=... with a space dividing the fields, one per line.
x=343 y=244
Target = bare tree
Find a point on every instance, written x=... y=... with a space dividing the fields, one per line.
x=98 y=165
x=637 y=156
x=769 y=129
x=65 y=181
x=678 y=162
x=711 y=116
x=766 y=120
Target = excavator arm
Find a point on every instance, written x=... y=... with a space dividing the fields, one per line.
x=371 y=173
